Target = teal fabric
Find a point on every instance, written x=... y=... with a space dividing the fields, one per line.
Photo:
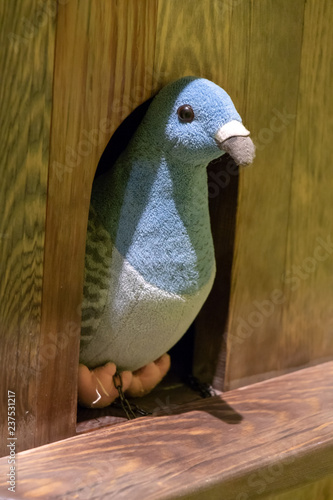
x=155 y=202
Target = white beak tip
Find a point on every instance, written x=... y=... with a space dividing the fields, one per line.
x=233 y=128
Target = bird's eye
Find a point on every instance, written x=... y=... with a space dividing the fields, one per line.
x=185 y=113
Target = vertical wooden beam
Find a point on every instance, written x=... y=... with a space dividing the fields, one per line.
x=192 y=41
x=307 y=335
x=103 y=70
x=271 y=71
x=26 y=65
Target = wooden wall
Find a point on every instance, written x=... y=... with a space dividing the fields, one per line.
x=72 y=75
x=95 y=87
x=321 y=490
x=282 y=275
x=26 y=62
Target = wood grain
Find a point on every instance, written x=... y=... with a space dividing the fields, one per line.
x=103 y=70
x=320 y=490
x=308 y=313
x=257 y=441
x=26 y=64
x=271 y=63
x=191 y=41
x=282 y=215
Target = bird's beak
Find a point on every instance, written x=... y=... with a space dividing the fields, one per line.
x=233 y=138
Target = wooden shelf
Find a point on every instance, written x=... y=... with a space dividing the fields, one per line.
x=248 y=443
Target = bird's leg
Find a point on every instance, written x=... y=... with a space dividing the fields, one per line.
x=96 y=387
x=147 y=377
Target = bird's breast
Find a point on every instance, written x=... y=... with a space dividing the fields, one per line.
x=136 y=322
x=158 y=220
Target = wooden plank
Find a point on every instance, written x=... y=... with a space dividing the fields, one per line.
x=263 y=439
x=257 y=332
x=320 y=490
x=308 y=313
x=103 y=69
x=191 y=41
x=26 y=65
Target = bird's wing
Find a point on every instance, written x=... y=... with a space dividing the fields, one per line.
x=96 y=277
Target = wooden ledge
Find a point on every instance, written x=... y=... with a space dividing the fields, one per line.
x=249 y=443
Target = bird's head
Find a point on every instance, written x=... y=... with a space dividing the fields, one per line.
x=195 y=121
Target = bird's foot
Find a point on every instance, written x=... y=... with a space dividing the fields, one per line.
x=96 y=388
x=147 y=377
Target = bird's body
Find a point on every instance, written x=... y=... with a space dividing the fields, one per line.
x=149 y=258
x=153 y=260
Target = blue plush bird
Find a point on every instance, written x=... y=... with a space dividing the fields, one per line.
x=149 y=257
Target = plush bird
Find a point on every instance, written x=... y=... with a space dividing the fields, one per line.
x=149 y=254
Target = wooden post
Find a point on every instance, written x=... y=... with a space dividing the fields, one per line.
x=26 y=66
x=103 y=69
